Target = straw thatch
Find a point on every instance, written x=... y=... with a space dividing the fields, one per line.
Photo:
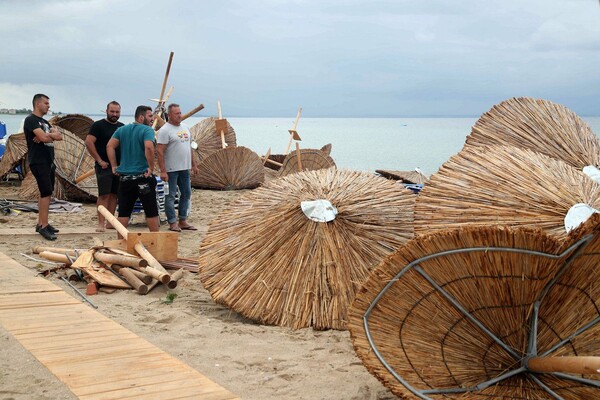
x=29 y=189
x=404 y=176
x=503 y=186
x=14 y=155
x=78 y=124
x=280 y=158
x=311 y=160
x=232 y=168
x=538 y=125
x=326 y=149
x=430 y=344
x=205 y=135
x=265 y=259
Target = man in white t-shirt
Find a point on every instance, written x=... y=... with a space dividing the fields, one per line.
x=175 y=160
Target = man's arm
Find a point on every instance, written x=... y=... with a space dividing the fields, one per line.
x=149 y=151
x=90 y=144
x=112 y=153
x=195 y=169
x=160 y=150
x=43 y=137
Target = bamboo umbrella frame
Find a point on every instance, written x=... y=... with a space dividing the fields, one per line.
x=503 y=185
x=312 y=159
x=78 y=124
x=15 y=153
x=538 y=125
x=265 y=259
x=471 y=313
x=231 y=168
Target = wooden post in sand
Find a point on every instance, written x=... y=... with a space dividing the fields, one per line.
x=221 y=125
x=293 y=133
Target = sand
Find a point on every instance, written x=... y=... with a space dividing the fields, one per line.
x=251 y=360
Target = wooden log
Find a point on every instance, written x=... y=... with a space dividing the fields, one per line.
x=192 y=112
x=298 y=157
x=127 y=261
x=132 y=279
x=48 y=255
x=153 y=284
x=61 y=250
x=85 y=175
x=154 y=269
x=113 y=221
x=585 y=365
x=175 y=276
x=147 y=279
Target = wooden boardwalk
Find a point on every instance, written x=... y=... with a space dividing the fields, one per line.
x=94 y=356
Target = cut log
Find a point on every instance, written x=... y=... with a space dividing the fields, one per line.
x=175 y=276
x=127 y=261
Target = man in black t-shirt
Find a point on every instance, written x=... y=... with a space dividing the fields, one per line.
x=40 y=138
x=108 y=184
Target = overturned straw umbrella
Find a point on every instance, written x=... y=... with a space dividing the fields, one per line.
x=538 y=125
x=483 y=312
x=266 y=259
x=205 y=134
x=14 y=155
x=309 y=160
x=503 y=186
x=77 y=124
x=415 y=176
x=231 y=168
x=280 y=158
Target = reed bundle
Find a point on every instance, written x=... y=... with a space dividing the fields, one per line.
x=205 y=134
x=429 y=343
x=14 y=155
x=78 y=124
x=503 y=186
x=265 y=259
x=311 y=160
x=231 y=168
x=403 y=176
x=538 y=125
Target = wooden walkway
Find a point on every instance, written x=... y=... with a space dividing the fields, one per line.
x=94 y=356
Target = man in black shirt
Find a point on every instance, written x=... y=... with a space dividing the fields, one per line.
x=40 y=138
x=108 y=184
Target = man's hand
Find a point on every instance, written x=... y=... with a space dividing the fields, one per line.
x=114 y=171
x=164 y=176
x=103 y=164
x=148 y=173
x=195 y=170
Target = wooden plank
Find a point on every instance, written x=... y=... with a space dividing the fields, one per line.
x=94 y=356
x=63 y=231
x=162 y=245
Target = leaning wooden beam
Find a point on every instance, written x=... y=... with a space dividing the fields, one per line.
x=192 y=112
x=154 y=269
x=113 y=221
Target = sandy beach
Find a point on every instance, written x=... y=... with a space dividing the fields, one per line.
x=250 y=360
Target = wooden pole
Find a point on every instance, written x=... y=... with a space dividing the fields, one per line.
x=175 y=276
x=164 y=86
x=287 y=150
x=570 y=365
x=85 y=175
x=39 y=249
x=113 y=221
x=125 y=261
x=153 y=264
x=48 y=255
x=131 y=278
x=223 y=143
x=298 y=157
x=192 y=112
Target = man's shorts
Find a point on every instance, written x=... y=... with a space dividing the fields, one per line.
x=132 y=189
x=44 y=176
x=108 y=183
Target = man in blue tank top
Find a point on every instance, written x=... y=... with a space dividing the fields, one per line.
x=136 y=142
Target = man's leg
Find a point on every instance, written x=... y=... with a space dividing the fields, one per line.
x=153 y=224
x=102 y=201
x=43 y=210
x=112 y=206
x=185 y=193
x=170 y=200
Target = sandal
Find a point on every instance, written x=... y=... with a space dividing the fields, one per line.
x=188 y=228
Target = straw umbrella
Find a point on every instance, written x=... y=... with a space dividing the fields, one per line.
x=14 y=155
x=415 y=176
x=503 y=186
x=204 y=133
x=280 y=158
x=78 y=124
x=264 y=258
x=457 y=314
x=538 y=125
x=231 y=168
x=310 y=160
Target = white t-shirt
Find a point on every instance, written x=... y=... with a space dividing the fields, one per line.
x=178 y=156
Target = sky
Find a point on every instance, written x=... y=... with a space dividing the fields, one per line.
x=266 y=58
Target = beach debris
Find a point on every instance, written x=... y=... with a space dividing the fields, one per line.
x=83 y=296
x=77 y=124
x=265 y=259
x=501 y=185
x=484 y=311
x=409 y=177
x=305 y=160
x=14 y=156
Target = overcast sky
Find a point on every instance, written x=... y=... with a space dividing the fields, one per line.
x=334 y=58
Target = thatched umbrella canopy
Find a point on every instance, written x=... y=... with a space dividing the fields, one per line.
x=452 y=315
x=415 y=176
x=72 y=160
x=326 y=149
x=205 y=135
x=264 y=258
x=231 y=168
x=78 y=124
x=503 y=186
x=280 y=158
x=310 y=159
x=538 y=125
x=14 y=155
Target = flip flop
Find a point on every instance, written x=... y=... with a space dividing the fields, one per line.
x=175 y=229
x=188 y=228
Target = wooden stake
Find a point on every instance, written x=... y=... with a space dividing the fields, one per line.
x=298 y=157
x=162 y=91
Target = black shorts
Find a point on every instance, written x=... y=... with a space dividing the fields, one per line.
x=132 y=189
x=108 y=183
x=44 y=176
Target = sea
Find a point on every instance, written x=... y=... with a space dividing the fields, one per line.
x=362 y=144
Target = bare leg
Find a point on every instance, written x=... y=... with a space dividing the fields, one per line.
x=124 y=221
x=43 y=208
x=153 y=224
x=102 y=201
x=112 y=206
